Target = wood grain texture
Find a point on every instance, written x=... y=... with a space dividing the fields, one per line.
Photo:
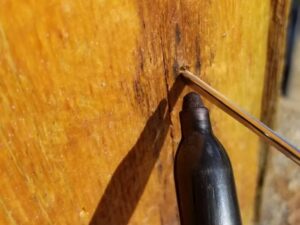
x=280 y=10
x=89 y=110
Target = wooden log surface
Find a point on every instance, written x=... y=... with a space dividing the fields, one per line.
x=89 y=104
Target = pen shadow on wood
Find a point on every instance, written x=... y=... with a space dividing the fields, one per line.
x=127 y=184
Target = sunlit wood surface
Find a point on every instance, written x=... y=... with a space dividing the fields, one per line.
x=89 y=111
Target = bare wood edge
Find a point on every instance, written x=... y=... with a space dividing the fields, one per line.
x=273 y=75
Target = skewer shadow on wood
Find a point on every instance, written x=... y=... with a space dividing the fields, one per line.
x=130 y=178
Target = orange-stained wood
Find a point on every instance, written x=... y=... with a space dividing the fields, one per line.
x=89 y=110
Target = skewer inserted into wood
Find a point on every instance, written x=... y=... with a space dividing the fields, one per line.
x=243 y=117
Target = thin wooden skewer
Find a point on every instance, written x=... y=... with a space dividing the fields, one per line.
x=243 y=117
